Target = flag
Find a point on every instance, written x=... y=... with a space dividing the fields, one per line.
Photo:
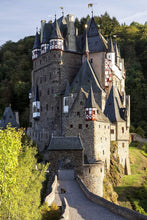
x=90 y=5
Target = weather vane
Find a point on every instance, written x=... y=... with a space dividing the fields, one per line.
x=91 y=6
x=62 y=10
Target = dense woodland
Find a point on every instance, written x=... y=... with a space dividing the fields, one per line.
x=16 y=67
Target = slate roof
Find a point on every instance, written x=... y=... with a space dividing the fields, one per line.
x=37 y=41
x=84 y=77
x=91 y=103
x=62 y=25
x=8 y=117
x=56 y=33
x=91 y=100
x=96 y=41
x=112 y=108
x=36 y=95
x=47 y=33
x=65 y=143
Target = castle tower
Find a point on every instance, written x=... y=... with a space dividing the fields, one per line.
x=45 y=42
x=56 y=39
x=36 y=48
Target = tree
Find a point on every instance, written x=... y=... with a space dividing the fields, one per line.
x=20 y=177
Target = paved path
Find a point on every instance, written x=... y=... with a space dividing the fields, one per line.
x=81 y=208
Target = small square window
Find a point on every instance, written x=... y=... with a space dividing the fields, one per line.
x=112 y=131
x=86 y=125
x=80 y=126
x=71 y=126
x=78 y=113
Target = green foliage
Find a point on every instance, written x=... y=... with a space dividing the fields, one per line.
x=140 y=131
x=50 y=213
x=20 y=177
x=113 y=176
x=15 y=77
x=133 y=190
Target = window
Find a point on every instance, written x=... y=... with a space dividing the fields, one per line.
x=78 y=113
x=46 y=107
x=48 y=91
x=122 y=129
x=86 y=125
x=71 y=126
x=103 y=152
x=93 y=112
x=40 y=92
x=80 y=126
x=112 y=131
x=123 y=145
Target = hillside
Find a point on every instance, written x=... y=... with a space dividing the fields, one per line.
x=132 y=192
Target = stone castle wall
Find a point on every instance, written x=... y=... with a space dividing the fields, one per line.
x=51 y=75
x=92 y=176
x=95 y=135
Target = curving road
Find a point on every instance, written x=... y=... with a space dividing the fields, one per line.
x=81 y=208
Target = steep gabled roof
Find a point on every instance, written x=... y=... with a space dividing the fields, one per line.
x=112 y=109
x=84 y=77
x=37 y=41
x=56 y=33
x=8 y=117
x=65 y=143
x=96 y=41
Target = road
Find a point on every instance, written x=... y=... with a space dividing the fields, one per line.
x=81 y=208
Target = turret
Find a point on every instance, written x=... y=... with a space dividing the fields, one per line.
x=45 y=42
x=36 y=105
x=56 y=39
x=91 y=107
x=111 y=53
x=36 y=48
x=117 y=55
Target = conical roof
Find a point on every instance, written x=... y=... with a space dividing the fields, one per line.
x=110 y=46
x=8 y=117
x=56 y=33
x=47 y=33
x=37 y=41
x=112 y=109
x=91 y=100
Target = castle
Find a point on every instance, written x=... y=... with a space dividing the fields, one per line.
x=78 y=100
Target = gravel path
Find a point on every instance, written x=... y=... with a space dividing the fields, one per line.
x=81 y=208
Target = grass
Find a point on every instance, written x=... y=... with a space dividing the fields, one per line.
x=132 y=193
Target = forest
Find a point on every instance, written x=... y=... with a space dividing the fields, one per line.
x=16 y=67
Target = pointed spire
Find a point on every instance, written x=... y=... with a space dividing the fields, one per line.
x=112 y=110
x=110 y=45
x=86 y=45
x=91 y=103
x=56 y=31
x=37 y=40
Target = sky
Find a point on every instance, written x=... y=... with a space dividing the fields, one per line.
x=19 y=18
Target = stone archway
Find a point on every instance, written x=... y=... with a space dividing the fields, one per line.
x=66 y=163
